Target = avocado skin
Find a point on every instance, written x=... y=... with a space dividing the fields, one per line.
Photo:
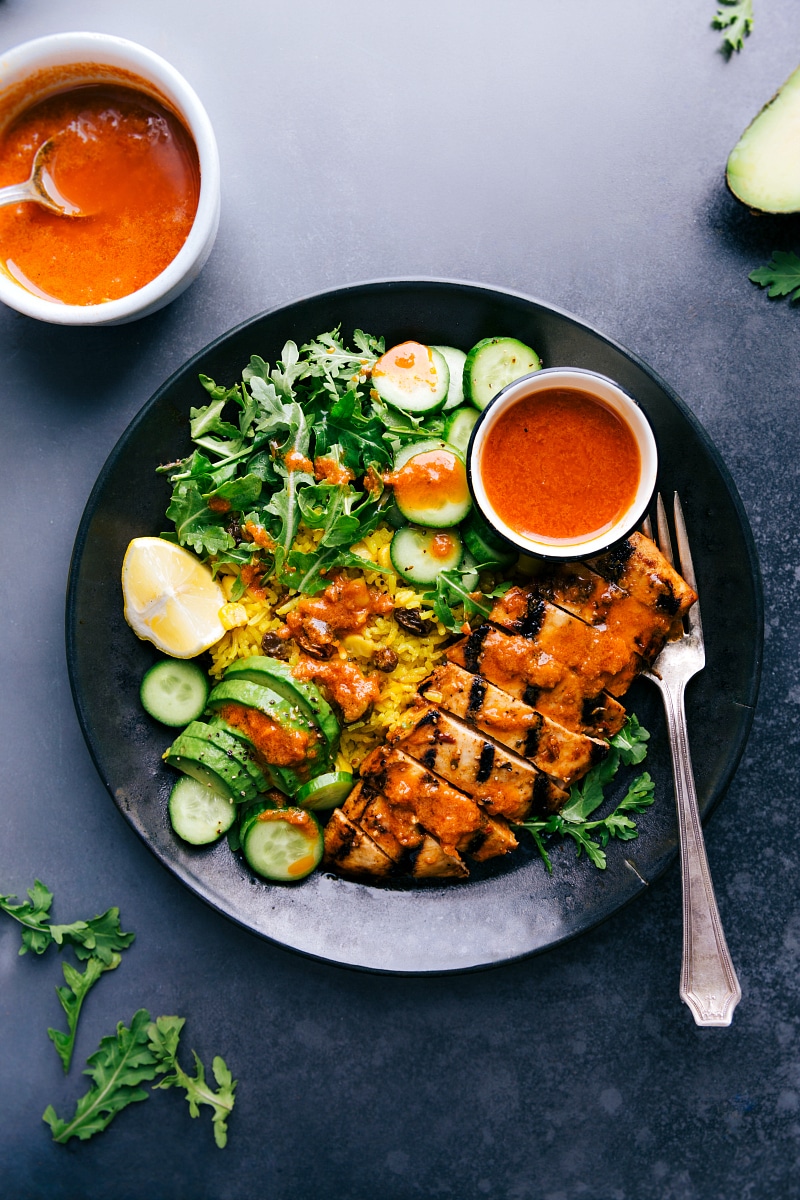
x=277 y=675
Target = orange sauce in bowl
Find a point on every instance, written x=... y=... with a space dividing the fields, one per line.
x=559 y=466
x=124 y=159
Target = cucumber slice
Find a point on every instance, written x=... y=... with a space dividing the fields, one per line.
x=430 y=484
x=284 y=844
x=277 y=676
x=469 y=574
x=455 y=360
x=459 y=426
x=208 y=764
x=412 y=377
x=487 y=547
x=493 y=364
x=326 y=791
x=174 y=691
x=197 y=813
x=420 y=555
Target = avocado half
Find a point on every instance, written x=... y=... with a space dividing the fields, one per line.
x=764 y=166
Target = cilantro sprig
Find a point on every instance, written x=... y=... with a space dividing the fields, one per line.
x=98 y=942
x=591 y=836
x=736 y=18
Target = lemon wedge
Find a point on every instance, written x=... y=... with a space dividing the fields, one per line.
x=171 y=598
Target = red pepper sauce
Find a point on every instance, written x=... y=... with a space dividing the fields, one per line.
x=431 y=480
x=559 y=466
x=125 y=160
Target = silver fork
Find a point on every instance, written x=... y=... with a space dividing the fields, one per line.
x=708 y=980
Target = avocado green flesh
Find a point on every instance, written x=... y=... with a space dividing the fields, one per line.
x=764 y=166
x=207 y=763
x=240 y=749
x=277 y=675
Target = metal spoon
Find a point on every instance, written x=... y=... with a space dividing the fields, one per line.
x=41 y=187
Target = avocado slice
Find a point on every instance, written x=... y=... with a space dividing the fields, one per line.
x=764 y=166
x=211 y=766
x=288 y=716
x=277 y=675
x=239 y=748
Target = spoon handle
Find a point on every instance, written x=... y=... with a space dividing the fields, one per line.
x=15 y=193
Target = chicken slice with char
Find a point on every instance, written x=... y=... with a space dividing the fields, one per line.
x=504 y=784
x=563 y=755
x=526 y=672
x=638 y=567
x=602 y=658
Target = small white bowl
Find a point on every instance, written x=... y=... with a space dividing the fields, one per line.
x=613 y=397
x=104 y=58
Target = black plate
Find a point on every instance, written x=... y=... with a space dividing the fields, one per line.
x=508 y=908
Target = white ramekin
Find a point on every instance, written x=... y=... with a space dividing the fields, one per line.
x=104 y=58
x=608 y=393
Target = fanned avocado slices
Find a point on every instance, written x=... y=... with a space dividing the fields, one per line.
x=764 y=165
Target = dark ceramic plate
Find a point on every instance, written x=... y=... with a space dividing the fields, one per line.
x=508 y=908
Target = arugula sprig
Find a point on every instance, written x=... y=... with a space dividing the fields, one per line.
x=781 y=275
x=97 y=942
x=736 y=18
x=453 y=602
x=628 y=747
x=133 y=1056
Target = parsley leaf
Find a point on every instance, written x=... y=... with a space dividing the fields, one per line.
x=628 y=747
x=736 y=18
x=781 y=275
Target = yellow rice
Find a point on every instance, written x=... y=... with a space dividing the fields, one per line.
x=417 y=656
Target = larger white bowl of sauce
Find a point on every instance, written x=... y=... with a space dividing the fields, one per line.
x=136 y=148
x=562 y=463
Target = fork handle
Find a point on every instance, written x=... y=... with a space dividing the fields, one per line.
x=708 y=979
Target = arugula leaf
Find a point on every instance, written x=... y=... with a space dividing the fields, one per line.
x=453 y=603
x=164 y=1037
x=195 y=523
x=72 y=997
x=117 y=1069
x=736 y=17
x=781 y=275
x=631 y=741
x=34 y=916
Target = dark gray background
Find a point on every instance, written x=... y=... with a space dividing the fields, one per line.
x=573 y=151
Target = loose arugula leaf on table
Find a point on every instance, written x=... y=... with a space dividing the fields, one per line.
x=736 y=18
x=628 y=747
x=117 y=1069
x=781 y=275
x=97 y=942
x=164 y=1037
x=136 y=1055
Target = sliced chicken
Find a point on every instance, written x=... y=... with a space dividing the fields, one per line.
x=349 y=849
x=563 y=755
x=452 y=817
x=533 y=676
x=604 y=659
x=503 y=783
x=598 y=602
x=638 y=567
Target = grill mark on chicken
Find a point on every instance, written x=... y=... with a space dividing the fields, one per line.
x=493 y=775
x=474 y=646
x=515 y=664
x=350 y=849
x=639 y=568
x=477 y=694
x=485 y=763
